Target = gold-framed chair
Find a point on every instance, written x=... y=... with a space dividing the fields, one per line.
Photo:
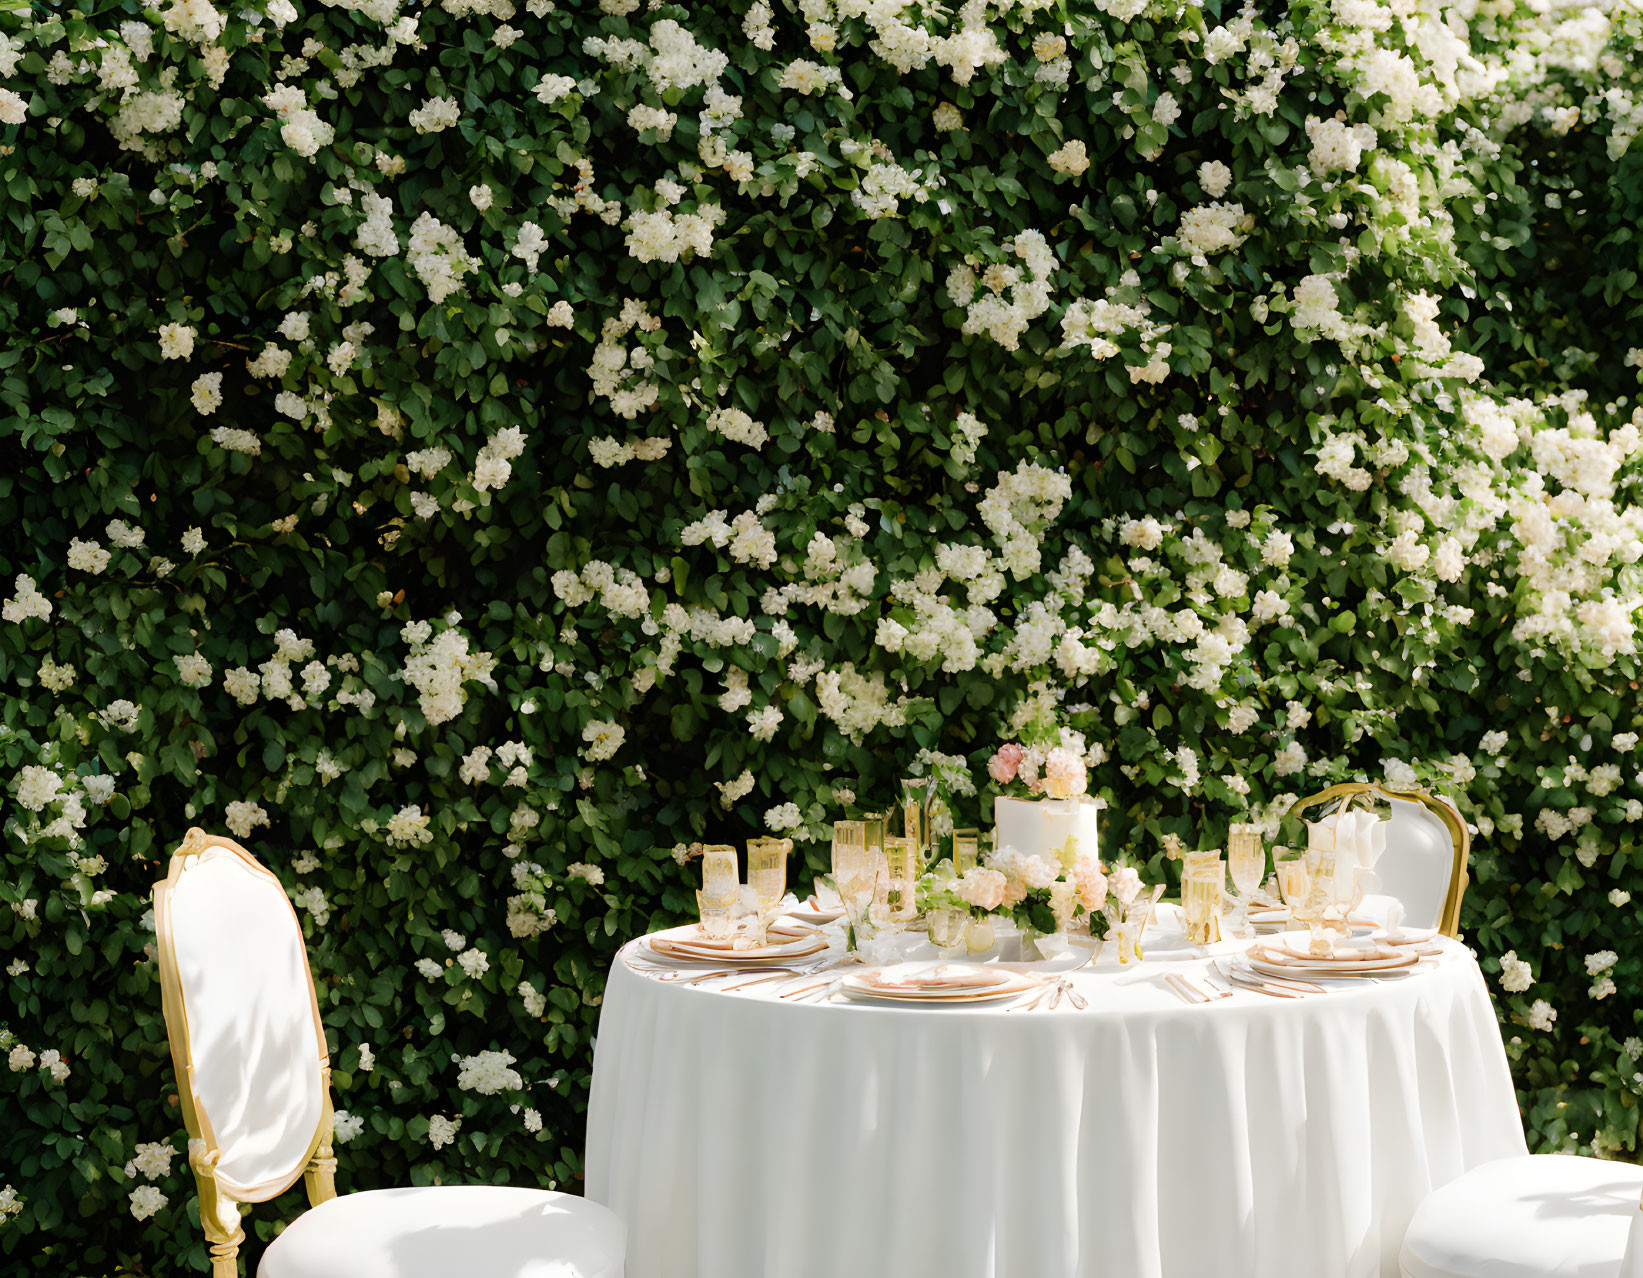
x=1531 y=1217
x=1427 y=845
x=253 y=1079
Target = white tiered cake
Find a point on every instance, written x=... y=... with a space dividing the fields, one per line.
x=1041 y=827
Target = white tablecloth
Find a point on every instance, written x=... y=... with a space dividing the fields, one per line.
x=739 y=1136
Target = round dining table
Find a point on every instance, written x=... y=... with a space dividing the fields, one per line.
x=742 y=1134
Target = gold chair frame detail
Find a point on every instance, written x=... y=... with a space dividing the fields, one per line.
x=1367 y=791
x=219 y=1201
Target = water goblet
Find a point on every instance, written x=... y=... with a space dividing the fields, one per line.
x=767 y=875
x=966 y=849
x=1246 y=859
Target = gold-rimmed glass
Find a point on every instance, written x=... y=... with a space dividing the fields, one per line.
x=1201 y=889
x=720 y=877
x=1295 y=885
x=966 y=849
x=901 y=856
x=767 y=875
x=1246 y=861
x=849 y=847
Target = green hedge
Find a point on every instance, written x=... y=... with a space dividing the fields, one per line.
x=472 y=453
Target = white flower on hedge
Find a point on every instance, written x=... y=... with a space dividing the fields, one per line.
x=1215 y=178
x=492 y=468
x=435 y=115
x=1515 y=974
x=87 y=556
x=1600 y=962
x=242 y=684
x=1290 y=760
x=1338 y=145
x=146 y=1200
x=124 y=535
x=1492 y=742
x=120 y=715
x=591 y=874
x=430 y=969
x=53 y=677
x=603 y=739
x=1214 y=228
x=20 y=1059
x=1071 y=158
x=762 y=724
x=206 y=393
x=1542 y=1015
x=489 y=1073
x=244 y=815
x=36 y=787
x=436 y=253
x=1010 y=297
x=346 y=1126
x=51 y=1060
x=731 y=792
x=554 y=88
x=438 y=668
x=193 y=670
x=474 y=962
x=736 y=425
x=783 y=817
x=408 y=828
x=442 y=1131
x=176 y=341
x=27 y=603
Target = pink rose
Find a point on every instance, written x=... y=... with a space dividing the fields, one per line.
x=981 y=888
x=1065 y=774
x=1005 y=763
x=1092 y=884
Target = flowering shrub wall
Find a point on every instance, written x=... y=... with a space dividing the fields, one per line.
x=471 y=452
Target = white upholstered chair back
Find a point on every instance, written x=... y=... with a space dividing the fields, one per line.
x=1419 y=861
x=1424 y=860
x=242 y=1018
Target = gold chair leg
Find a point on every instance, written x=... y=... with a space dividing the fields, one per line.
x=225 y=1257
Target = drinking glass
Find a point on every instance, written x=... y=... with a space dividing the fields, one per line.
x=715 y=915
x=720 y=878
x=901 y=854
x=947 y=928
x=1201 y=889
x=1295 y=885
x=1130 y=928
x=1246 y=859
x=767 y=874
x=849 y=847
x=966 y=849
x=857 y=881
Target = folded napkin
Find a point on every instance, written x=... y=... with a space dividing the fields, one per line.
x=1343 y=953
x=944 y=976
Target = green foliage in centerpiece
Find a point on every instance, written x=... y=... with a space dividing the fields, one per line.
x=474 y=452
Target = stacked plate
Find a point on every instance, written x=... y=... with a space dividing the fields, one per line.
x=1287 y=956
x=689 y=946
x=936 y=984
